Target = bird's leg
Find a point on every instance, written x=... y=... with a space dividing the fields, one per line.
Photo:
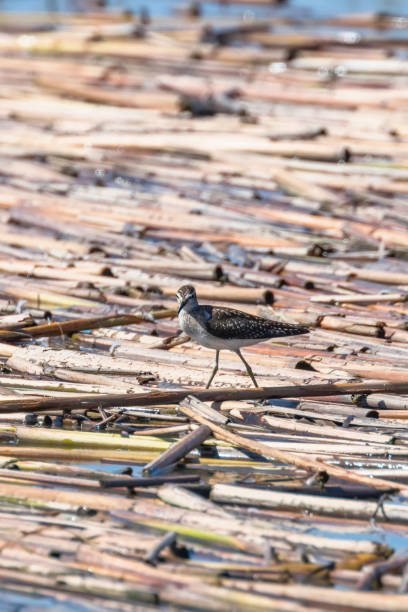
x=215 y=368
x=248 y=367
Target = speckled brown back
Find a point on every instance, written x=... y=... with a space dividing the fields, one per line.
x=228 y=323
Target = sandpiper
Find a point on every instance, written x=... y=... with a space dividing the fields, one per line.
x=226 y=328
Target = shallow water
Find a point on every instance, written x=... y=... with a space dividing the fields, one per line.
x=383 y=534
x=18 y=602
x=110 y=468
x=296 y=8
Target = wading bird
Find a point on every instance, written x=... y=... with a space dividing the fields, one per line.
x=226 y=328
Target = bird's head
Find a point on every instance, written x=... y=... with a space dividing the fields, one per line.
x=185 y=294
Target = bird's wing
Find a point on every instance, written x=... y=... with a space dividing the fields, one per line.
x=229 y=323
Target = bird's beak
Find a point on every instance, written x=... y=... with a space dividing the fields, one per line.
x=182 y=304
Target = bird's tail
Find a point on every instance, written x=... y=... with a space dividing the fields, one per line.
x=287 y=329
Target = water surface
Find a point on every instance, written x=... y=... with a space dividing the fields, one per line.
x=296 y=8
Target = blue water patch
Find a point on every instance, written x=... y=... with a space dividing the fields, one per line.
x=111 y=468
x=381 y=534
x=294 y=8
x=13 y=602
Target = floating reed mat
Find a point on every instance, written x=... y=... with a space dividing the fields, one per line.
x=318 y=504
x=82 y=439
x=152 y=398
x=267 y=166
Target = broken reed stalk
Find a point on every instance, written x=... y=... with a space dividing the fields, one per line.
x=244 y=534
x=158 y=398
x=15 y=321
x=375 y=574
x=320 y=504
x=222 y=433
x=168 y=540
x=157 y=431
x=81 y=439
x=9 y=475
x=178 y=450
x=154 y=481
x=292 y=425
x=23 y=466
x=359 y=298
x=76 y=325
x=86 y=454
x=325 y=596
x=183 y=498
x=203 y=532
